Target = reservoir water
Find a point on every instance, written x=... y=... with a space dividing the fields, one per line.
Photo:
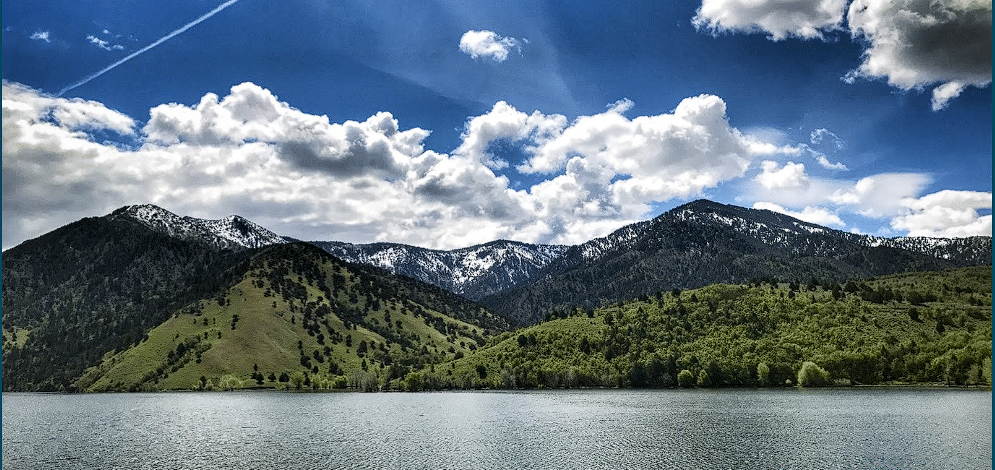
x=789 y=428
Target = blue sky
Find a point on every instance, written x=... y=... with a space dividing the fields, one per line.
x=446 y=124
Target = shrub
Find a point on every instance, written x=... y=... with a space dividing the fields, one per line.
x=986 y=371
x=229 y=382
x=685 y=379
x=763 y=374
x=811 y=375
x=704 y=380
x=340 y=382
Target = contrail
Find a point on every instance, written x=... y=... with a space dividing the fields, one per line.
x=165 y=38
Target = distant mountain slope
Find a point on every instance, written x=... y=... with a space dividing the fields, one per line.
x=970 y=250
x=472 y=272
x=704 y=242
x=230 y=232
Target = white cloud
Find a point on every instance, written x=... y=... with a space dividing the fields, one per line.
x=779 y=19
x=488 y=44
x=946 y=214
x=814 y=215
x=818 y=136
x=792 y=175
x=885 y=197
x=41 y=36
x=504 y=122
x=615 y=167
x=299 y=174
x=914 y=44
x=825 y=163
x=251 y=154
x=880 y=195
x=23 y=103
x=946 y=92
x=105 y=45
x=252 y=114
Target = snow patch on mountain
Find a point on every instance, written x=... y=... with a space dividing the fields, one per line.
x=232 y=232
x=473 y=272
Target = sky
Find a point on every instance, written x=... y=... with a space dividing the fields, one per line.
x=446 y=124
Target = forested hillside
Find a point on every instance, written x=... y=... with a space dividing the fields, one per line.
x=299 y=317
x=918 y=328
x=96 y=286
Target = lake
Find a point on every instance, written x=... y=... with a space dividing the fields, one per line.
x=789 y=428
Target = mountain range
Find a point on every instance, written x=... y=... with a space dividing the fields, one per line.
x=474 y=272
x=704 y=242
x=82 y=294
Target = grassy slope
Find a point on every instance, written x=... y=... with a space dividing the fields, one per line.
x=728 y=330
x=268 y=332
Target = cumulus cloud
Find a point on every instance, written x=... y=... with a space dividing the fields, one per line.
x=613 y=166
x=814 y=215
x=251 y=154
x=792 y=175
x=488 y=45
x=504 y=122
x=880 y=195
x=51 y=171
x=299 y=174
x=779 y=19
x=946 y=214
x=21 y=103
x=41 y=36
x=252 y=114
x=946 y=92
x=914 y=44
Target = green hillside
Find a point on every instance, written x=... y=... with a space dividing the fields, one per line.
x=299 y=318
x=920 y=328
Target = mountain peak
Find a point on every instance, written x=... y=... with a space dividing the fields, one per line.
x=143 y=212
x=700 y=205
x=233 y=231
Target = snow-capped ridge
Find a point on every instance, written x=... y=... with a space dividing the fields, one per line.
x=230 y=232
x=691 y=231
x=473 y=271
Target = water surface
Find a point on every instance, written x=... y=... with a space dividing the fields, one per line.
x=819 y=429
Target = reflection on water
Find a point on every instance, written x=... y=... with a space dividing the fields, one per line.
x=544 y=429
